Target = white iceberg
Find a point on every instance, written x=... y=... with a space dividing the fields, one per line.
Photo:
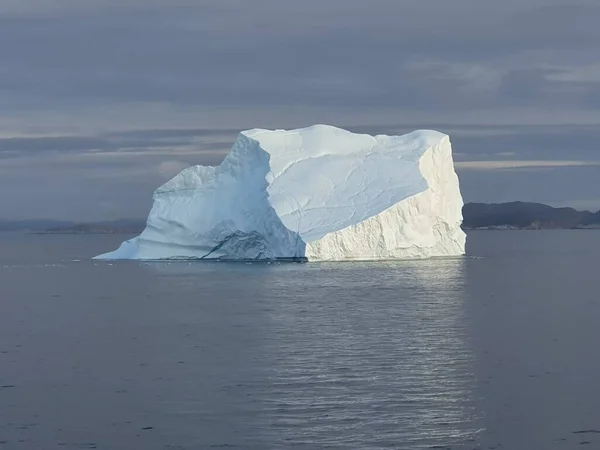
x=319 y=193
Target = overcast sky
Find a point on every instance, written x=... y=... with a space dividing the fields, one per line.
x=101 y=101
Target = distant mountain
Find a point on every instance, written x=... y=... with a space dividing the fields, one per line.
x=521 y=215
x=121 y=226
x=487 y=216
x=69 y=227
x=33 y=224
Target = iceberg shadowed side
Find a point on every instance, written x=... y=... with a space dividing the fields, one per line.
x=319 y=193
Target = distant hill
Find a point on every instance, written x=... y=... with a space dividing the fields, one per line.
x=33 y=224
x=486 y=216
x=522 y=215
x=125 y=226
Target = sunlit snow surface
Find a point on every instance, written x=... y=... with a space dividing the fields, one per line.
x=317 y=193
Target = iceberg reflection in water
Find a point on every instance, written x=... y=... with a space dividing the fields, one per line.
x=355 y=355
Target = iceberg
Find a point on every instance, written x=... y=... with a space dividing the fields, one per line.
x=319 y=194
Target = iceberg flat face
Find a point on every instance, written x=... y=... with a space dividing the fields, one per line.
x=320 y=193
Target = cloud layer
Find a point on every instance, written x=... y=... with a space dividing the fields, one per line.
x=101 y=100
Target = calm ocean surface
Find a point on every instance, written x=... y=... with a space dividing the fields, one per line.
x=499 y=350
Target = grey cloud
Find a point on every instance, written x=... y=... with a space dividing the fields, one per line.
x=548 y=186
x=524 y=85
x=143 y=142
x=120 y=66
x=50 y=144
x=544 y=87
x=544 y=142
x=591 y=98
x=342 y=54
x=177 y=133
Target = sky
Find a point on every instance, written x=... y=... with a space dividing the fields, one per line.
x=102 y=101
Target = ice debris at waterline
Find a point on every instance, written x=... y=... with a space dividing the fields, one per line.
x=319 y=193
